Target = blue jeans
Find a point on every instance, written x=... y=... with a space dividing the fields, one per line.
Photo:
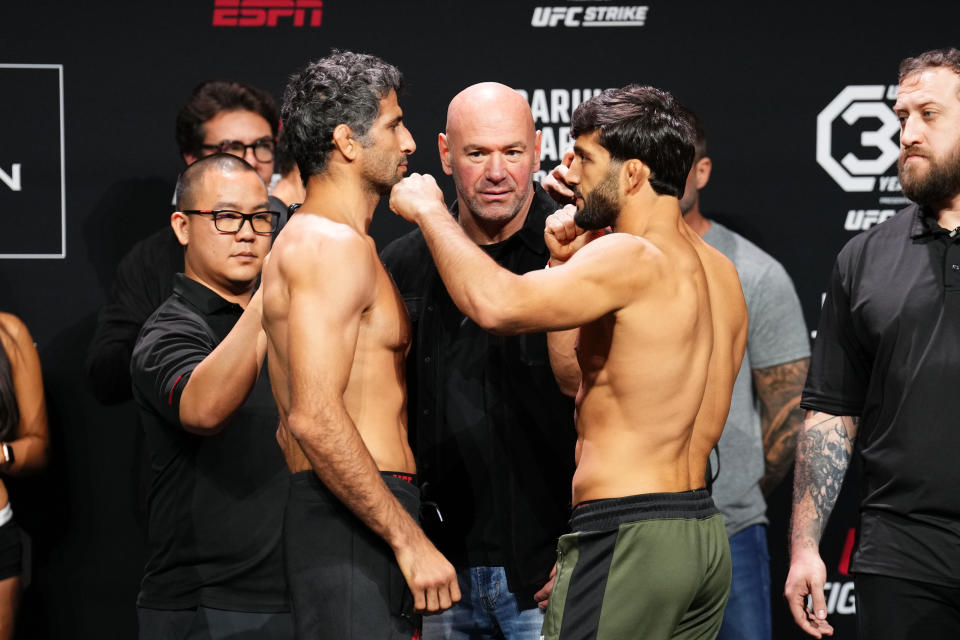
x=487 y=611
x=747 y=616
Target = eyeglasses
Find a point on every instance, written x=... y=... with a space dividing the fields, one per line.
x=262 y=148
x=226 y=221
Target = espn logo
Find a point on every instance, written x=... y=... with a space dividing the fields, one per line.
x=267 y=13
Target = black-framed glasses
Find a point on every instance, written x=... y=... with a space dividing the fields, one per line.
x=227 y=221
x=262 y=149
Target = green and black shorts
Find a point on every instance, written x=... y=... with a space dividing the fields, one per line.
x=651 y=567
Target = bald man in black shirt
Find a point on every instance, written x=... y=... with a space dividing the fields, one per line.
x=219 y=481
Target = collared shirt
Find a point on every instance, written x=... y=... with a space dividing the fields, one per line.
x=888 y=350
x=143 y=281
x=216 y=502
x=493 y=435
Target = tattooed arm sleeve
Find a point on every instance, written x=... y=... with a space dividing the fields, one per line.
x=779 y=389
x=824 y=446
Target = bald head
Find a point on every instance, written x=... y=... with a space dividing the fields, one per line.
x=189 y=184
x=490 y=103
x=492 y=150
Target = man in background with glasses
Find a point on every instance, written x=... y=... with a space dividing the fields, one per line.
x=221 y=116
x=219 y=485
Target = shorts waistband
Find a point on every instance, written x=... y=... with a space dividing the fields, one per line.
x=610 y=513
x=400 y=475
x=402 y=485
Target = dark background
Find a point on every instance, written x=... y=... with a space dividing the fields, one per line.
x=758 y=73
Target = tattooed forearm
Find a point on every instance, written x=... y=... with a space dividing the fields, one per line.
x=779 y=390
x=823 y=455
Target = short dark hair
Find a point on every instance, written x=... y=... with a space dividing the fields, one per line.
x=186 y=191
x=216 y=96
x=644 y=123
x=700 y=136
x=947 y=57
x=342 y=88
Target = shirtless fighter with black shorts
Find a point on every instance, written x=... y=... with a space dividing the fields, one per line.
x=337 y=334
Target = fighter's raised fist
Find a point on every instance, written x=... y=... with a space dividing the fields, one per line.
x=415 y=195
x=562 y=235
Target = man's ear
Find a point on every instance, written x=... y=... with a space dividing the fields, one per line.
x=345 y=143
x=189 y=157
x=635 y=174
x=446 y=161
x=702 y=170
x=180 y=223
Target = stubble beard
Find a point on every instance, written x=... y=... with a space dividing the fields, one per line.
x=496 y=213
x=381 y=173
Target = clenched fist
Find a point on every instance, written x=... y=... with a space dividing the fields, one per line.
x=563 y=237
x=416 y=195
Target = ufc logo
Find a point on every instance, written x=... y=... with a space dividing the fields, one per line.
x=267 y=13
x=553 y=16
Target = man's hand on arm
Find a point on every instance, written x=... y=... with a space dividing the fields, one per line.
x=779 y=388
x=323 y=327
x=221 y=383
x=823 y=454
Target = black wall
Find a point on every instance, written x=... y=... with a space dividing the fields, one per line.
x=759 y=74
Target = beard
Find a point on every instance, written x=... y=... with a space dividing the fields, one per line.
x=940 y=183
x=381 y=173
x=601 y=206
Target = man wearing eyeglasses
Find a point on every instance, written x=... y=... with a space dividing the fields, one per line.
x=219 y=482
x=221 y=116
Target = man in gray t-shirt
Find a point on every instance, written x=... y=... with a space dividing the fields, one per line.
x=756 y=449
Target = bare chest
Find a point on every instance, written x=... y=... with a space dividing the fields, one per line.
x=386 y=324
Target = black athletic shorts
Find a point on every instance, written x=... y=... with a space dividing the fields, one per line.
x=11 y=562
x=344 y=580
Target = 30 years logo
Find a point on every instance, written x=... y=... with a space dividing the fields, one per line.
x=857 y=146
x=859 y=102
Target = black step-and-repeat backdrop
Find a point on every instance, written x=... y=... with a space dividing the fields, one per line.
x=796 y=99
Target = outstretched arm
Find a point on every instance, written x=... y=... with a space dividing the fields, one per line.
x=824 y=447
x=323 y=326
x=503 y=302
x=779 y=388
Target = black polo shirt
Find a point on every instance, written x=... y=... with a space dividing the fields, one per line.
x=888 y=350
x=493 y=435
x=216 y=503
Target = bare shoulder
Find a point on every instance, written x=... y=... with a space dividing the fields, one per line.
x=13 y=333
x=725 y=282
x=614 y=250
x=308 y=243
